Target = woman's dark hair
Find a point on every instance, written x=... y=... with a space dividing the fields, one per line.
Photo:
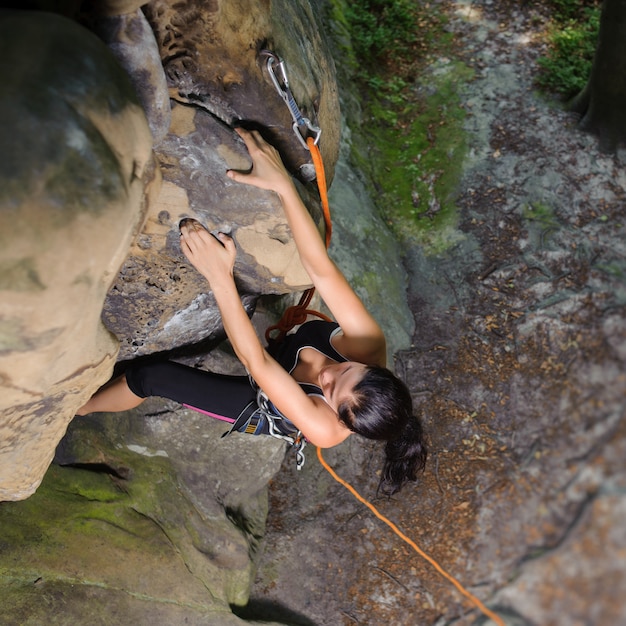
x=382 y=409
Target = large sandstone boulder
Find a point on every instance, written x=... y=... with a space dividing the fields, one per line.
x=76 y=204
x=76 y=177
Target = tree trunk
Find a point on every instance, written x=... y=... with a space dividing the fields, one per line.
x=602 y=103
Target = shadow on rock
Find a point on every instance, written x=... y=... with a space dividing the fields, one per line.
x=264 y=610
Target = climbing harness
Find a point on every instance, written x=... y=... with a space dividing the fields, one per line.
x=263 y=418
x=309 y=135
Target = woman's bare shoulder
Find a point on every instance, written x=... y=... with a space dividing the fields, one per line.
x=367 y=350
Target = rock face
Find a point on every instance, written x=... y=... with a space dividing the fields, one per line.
x=130 y=39
x=216 y=73
x=197 y=70
x=147 y=536
x=76 y=180
x=150 y=516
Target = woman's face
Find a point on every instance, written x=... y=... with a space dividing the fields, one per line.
x=338 y=381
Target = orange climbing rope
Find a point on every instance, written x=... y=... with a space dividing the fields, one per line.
x=468 y=594
x=293 y=316
x=316 y=155
x=297 y=314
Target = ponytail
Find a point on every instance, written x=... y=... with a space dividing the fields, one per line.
x=382 y=409
x=404 y=457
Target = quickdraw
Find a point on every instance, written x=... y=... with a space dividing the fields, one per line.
x=302 y=126
x=307 y=133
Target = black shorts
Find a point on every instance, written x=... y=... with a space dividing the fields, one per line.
x=217 y=395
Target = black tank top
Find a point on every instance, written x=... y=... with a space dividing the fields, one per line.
x=316 y=334
x=262 y=417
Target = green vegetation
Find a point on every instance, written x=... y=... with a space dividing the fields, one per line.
x=404 y=62
x=382 y=30
x=541 y=214
x=412 y=118
x=420 y=157
x=572 y=38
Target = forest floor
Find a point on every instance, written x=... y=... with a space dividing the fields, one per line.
x=518 y=366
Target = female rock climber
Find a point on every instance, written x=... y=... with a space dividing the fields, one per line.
x=327 y=380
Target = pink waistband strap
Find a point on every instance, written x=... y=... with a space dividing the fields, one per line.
x=223 y=418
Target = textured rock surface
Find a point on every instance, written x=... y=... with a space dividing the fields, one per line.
x=138 y=531
x=55 y=350
x=153 y=518
x=131 y=40
x=75 y=181
x=217 y=78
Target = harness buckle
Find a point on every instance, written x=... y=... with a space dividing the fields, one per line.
x=294 y=438
x=302 y=126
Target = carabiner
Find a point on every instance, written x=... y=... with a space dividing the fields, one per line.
x=302 y=126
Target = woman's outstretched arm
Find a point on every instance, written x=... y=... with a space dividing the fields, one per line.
x=214 y=259
x=363 y=338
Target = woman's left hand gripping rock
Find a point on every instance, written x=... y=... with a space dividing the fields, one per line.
x=212 y=255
